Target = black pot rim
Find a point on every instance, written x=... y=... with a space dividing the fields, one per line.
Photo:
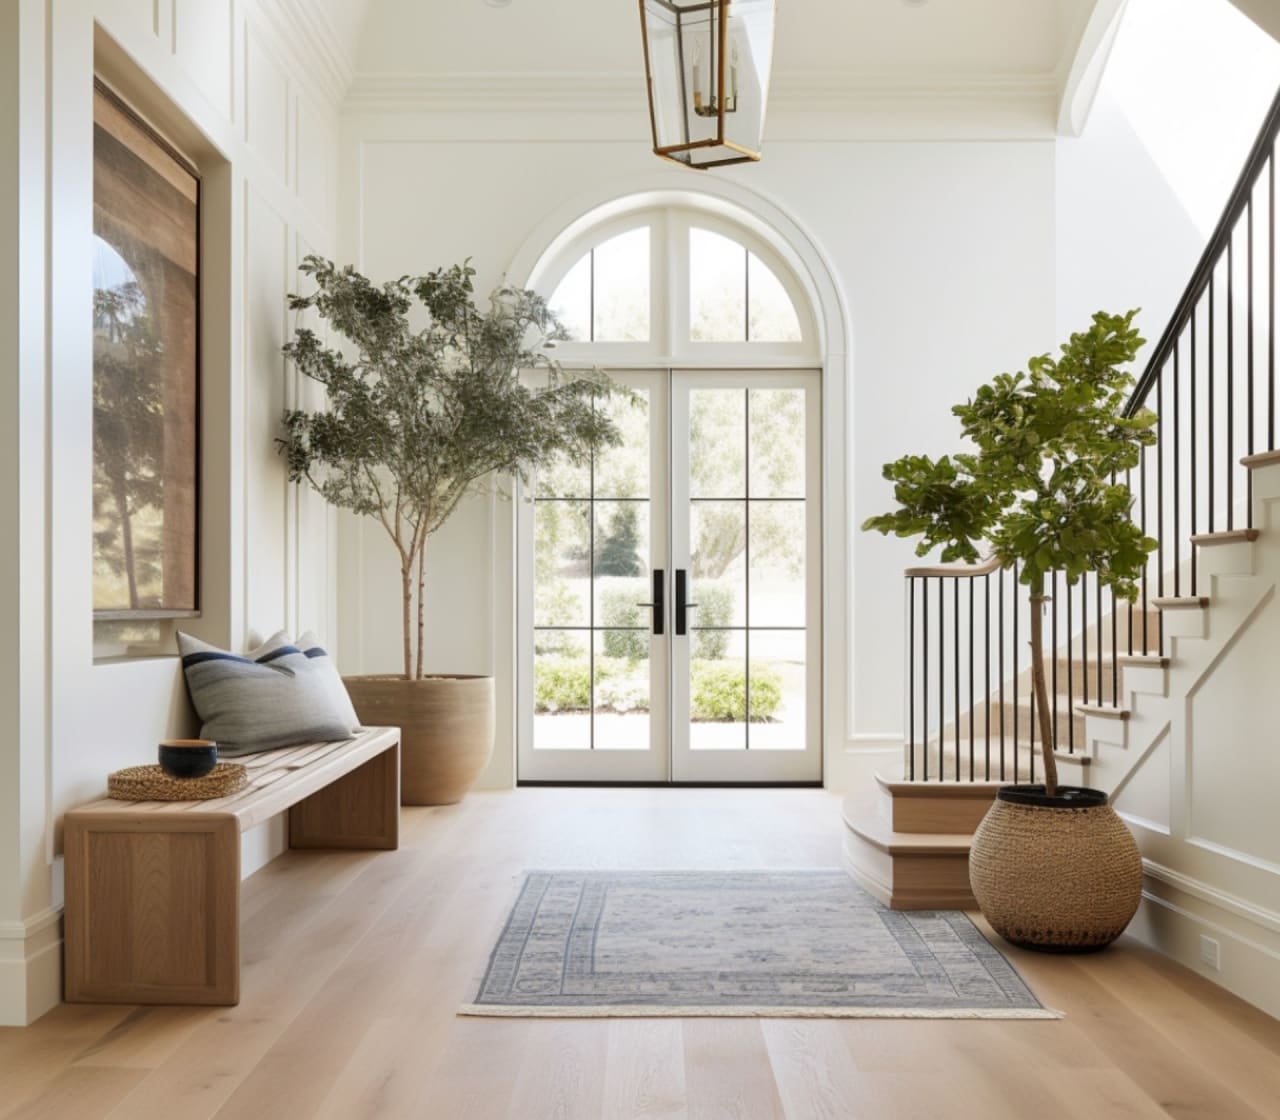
x=1068 y=797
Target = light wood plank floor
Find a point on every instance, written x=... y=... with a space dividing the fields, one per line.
x=354 y=964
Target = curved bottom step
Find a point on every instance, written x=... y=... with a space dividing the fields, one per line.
x=904 y=870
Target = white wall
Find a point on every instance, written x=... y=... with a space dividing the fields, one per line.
x=943 y=249
x=237 y=85
x=1123 y=238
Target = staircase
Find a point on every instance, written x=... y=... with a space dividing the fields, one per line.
x=1119 y=674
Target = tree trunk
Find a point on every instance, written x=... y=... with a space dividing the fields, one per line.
x=126 y=541
x=406 y=589
x=422 y=613
x=1040 y=691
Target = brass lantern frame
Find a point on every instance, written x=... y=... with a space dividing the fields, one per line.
x=668 y=152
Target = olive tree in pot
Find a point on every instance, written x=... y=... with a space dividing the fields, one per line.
x=1052 y=867
x=429 y=400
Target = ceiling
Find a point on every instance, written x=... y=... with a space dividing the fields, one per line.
x=1040 y=58
x=884 y=37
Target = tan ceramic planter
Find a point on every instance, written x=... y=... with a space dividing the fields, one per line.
x=446 y=730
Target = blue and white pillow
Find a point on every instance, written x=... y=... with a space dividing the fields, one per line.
x=276 y=696
x=321 y=662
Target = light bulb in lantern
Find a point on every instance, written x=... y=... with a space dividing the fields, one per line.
x=733 y=75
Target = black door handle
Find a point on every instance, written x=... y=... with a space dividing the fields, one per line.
x=682 y=606
x=659 y=604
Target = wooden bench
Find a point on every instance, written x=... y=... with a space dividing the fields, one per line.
x=153 y=887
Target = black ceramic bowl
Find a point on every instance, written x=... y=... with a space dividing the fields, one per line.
x=188 y=758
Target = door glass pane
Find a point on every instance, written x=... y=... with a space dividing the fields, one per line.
x=777 y=443
x=561 y=563
x=717 y=288
x=621 y=288
x=718 y=543
x=561 y=479
x=622 y=564
x=717 y=695
x=571 y=301
x=717 y=443
x=622 y=690
x=561 y=690
x=777 y=563
x=623 y=471
x=772 y=316
x=777 y=699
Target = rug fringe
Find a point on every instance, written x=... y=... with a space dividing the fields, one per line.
x=630 y=1011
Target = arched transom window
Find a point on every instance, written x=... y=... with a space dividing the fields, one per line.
x=678 y=284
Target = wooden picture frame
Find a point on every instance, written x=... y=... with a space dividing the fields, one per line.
x=146 y=370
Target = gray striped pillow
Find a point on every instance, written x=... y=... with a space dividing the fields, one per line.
x=274 y=697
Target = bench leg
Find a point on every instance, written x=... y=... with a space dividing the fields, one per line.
x=153 y=910
x=359 y=810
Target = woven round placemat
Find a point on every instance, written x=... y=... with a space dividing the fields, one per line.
x=151 y=783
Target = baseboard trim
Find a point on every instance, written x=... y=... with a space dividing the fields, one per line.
x=1249 y=950
x=30 y=967
x=1223 y=900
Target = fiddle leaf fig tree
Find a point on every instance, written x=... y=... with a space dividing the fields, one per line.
x=1043 y=487
x=428 y=401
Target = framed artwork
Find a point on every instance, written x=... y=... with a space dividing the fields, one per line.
x=146 y=383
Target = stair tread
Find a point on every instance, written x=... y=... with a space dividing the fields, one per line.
x=1143 y=660
x=1104 y=711
x=867 y=824
x=1226 y=536
x=976 y=790
x=1182 y=602
x=1261 y=459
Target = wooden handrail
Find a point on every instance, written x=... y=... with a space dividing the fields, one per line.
x=957 y=571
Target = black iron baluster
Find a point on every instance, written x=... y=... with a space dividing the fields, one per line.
x=973 y=716
x=1053 y=640
x=1177 y=434
x=1097 y=591
x=1194 y=451
x=911 y=679
x=986 y=637
x=942 y=679
x=1000 y=645
x=1071 y=665
x=924 y=673
x=1231 y=383
x=1271 y=307
x=1015 y=678
x=1248 y=475
x=955 y=668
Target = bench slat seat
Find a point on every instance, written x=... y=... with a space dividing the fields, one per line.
x=153 y=887
x=277 y=780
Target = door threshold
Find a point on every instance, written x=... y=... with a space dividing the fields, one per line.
x=532 y=784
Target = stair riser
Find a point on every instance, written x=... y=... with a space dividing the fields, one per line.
x=910 y=882
x=1018 y=724
x=937 y=815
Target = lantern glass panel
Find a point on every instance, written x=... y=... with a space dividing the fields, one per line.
x=709 y=67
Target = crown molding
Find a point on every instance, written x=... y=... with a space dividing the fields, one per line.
x=585 y=91
x=811 y=105
x=303 y=28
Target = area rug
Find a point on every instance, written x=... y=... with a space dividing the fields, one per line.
x=592 y=944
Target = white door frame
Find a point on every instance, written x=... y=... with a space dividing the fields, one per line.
x=669 y=758
x=738 y=203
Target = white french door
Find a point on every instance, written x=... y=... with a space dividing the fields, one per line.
x=669 y=597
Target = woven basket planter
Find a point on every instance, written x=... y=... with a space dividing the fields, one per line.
x=446 y=730
x=1058 y=874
